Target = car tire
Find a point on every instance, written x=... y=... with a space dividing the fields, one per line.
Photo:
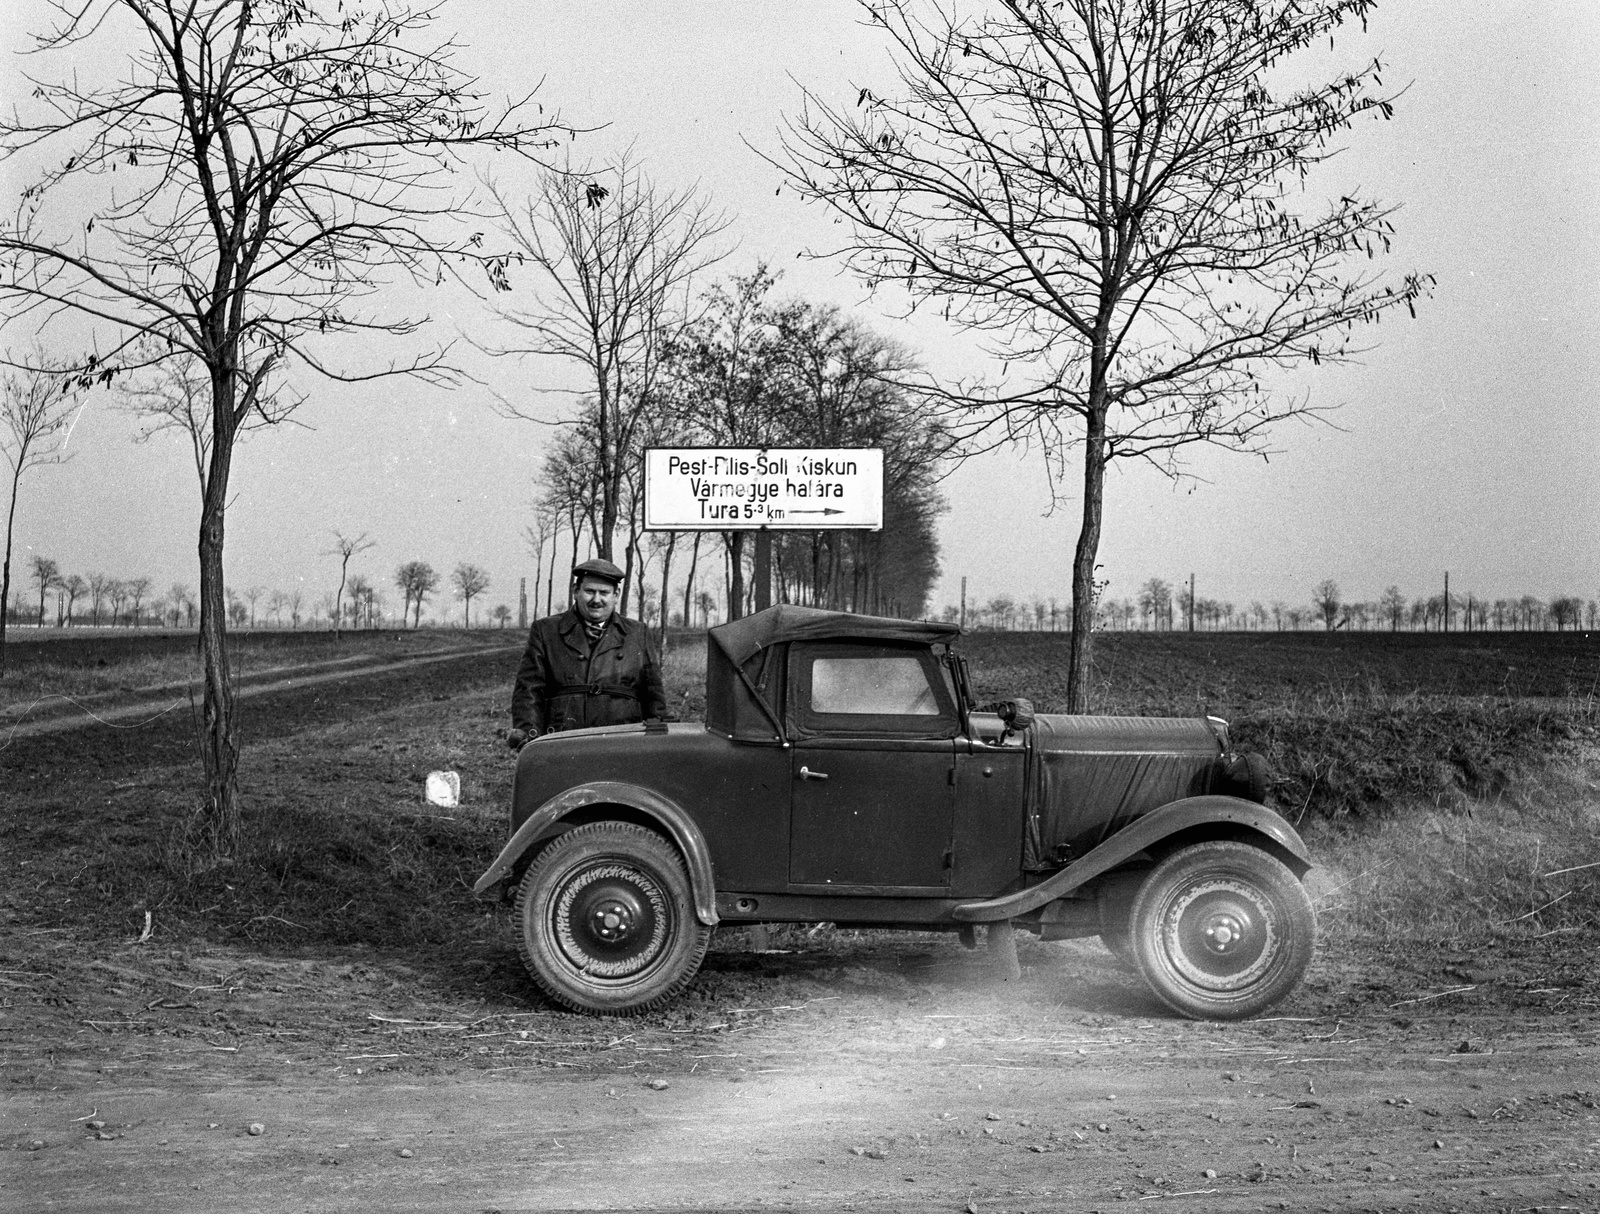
x=1222 y=930
x=606 y=922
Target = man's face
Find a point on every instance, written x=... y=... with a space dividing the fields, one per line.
x=596 y=599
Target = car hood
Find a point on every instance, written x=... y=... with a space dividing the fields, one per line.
x=1088 y=777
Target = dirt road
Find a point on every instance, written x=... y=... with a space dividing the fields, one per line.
x=859 y=1072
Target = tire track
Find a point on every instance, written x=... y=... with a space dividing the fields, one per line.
x=146 y=712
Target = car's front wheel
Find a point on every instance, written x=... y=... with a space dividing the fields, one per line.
x=606 y=919
x=1222 y=930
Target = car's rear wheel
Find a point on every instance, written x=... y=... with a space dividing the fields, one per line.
x=1222 y=930
x=606 y=919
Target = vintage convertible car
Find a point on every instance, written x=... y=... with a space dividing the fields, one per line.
x=844 y=775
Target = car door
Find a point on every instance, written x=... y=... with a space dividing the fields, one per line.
x=872 y=758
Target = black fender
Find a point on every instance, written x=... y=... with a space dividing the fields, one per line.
x=1138 y=835
x=675 y=824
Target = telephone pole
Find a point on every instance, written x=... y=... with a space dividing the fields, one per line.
x=963 y=602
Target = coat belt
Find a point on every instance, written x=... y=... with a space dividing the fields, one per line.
x=596 y=689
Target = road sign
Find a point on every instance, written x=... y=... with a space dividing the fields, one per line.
x=748 y=488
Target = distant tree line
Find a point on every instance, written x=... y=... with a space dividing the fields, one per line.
x=57 y=600
x=1159 y=606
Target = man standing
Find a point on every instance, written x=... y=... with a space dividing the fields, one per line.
x=587 y=666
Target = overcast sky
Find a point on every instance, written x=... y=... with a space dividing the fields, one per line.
x=1467 y=441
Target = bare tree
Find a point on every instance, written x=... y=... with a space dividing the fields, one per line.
x=1155 y=601
x=252 y=595
x=99 y=590
x=1325 y=598
x=117 y=592
x=417 y=580
x=543 y=530
x=469 y=581
x=614 y=255
x=501 y=614
x=361 y=596
x=34 y=408
x=137 y=588
x=73 y=586
x=1106 y=189
x=720 y=363
x=47 y=574
x=235 y=194
x=345 y=547
x=1564 y=610
x=180 y=597
x=1392 y=605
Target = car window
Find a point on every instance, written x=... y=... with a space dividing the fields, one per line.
x=854 y=690
x=872 y=685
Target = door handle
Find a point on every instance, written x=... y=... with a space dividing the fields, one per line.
x=807 y=774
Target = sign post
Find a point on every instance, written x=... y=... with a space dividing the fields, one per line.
x=763 y=489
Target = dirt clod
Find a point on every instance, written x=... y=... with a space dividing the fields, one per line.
x=257 y=1129
x=405 y=1152
x=658 y=1085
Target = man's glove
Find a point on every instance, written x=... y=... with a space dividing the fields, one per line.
x=516 y=739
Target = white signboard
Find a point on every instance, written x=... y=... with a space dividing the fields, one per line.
x=748 y=488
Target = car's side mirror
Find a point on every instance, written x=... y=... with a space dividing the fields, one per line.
x=1015 y=716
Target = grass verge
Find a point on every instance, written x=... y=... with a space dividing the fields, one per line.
x=1435 y=818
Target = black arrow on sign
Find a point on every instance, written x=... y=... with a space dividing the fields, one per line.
x=824 y=510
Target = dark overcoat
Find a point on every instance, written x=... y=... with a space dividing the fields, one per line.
x=562 y=685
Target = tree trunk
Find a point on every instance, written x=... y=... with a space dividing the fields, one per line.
x=606 y=530
x=666 y=579
x=688 y=586
x=338 y=598
x=5 y=570
x=763 y=574
x=219 y=822
x=576 y=522
x=538 y=575
x=1094 y=473
x=735 y=574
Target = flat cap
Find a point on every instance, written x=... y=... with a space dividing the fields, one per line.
x=597 y=567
